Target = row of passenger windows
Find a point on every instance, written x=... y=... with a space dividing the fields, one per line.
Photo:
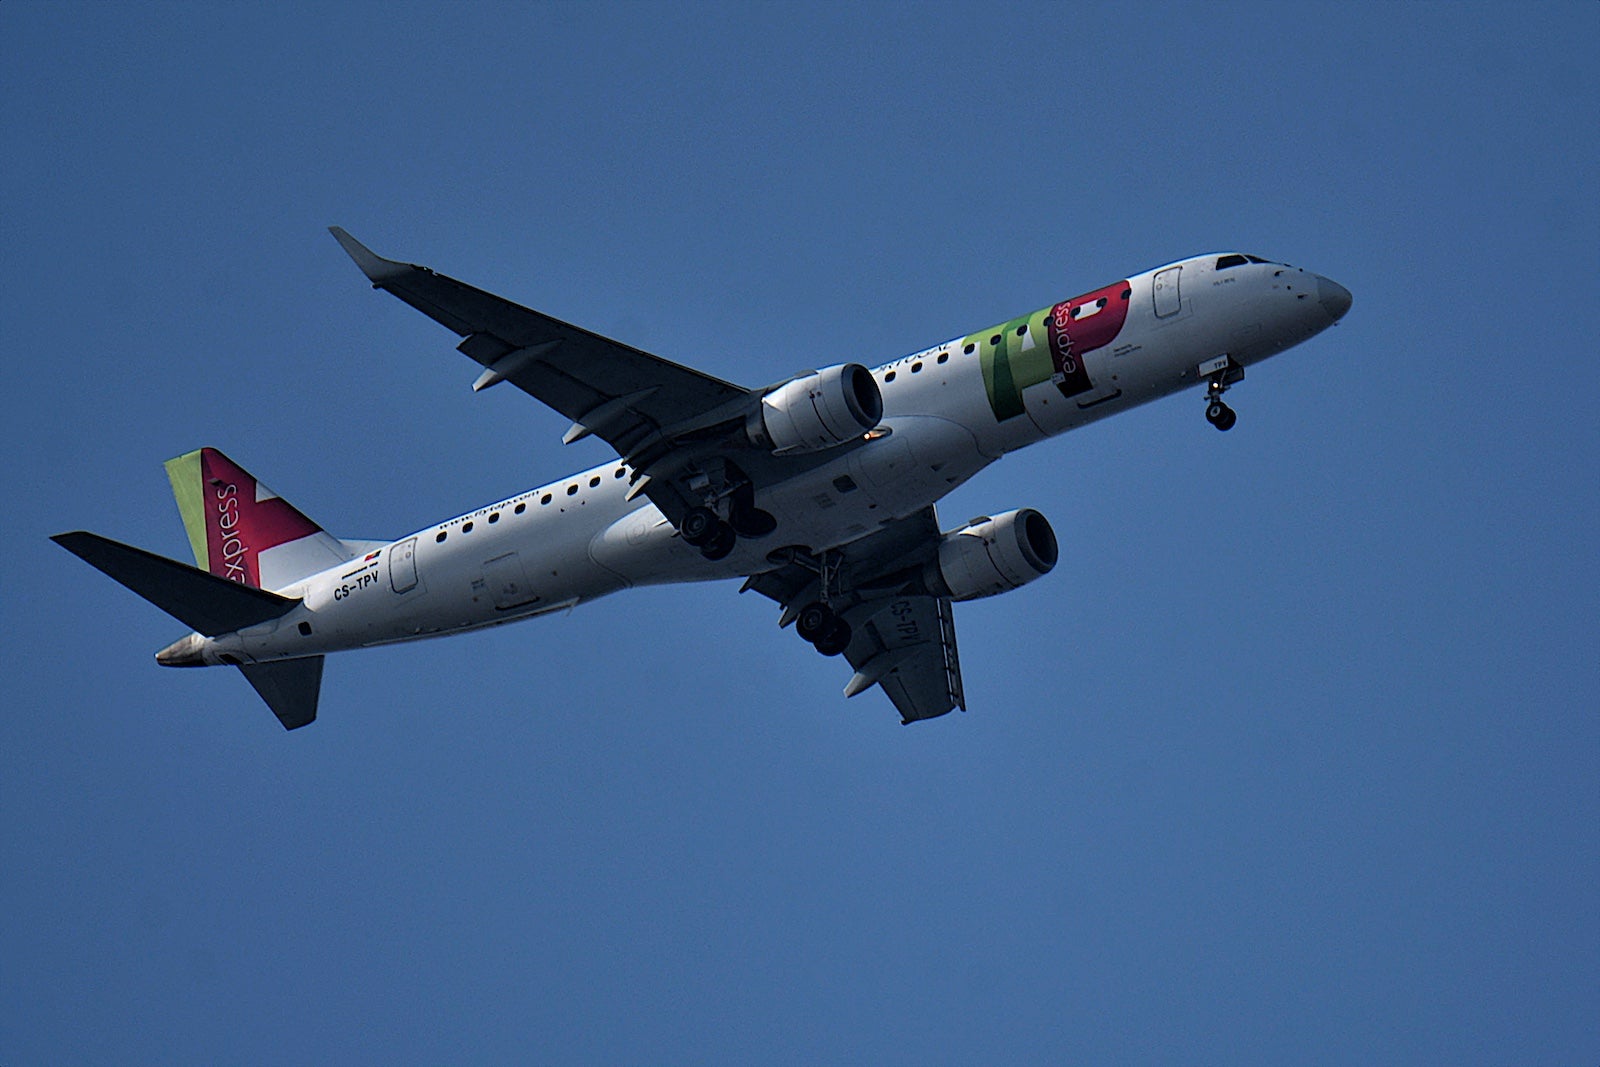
x=944 y=357
x=522 y=505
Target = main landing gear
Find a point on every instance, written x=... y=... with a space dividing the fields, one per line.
x=704 y=530
x=823 y=627
x=723 y=490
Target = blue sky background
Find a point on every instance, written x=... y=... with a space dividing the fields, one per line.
x=1293 y=759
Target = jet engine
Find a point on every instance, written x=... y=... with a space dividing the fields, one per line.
x=990 y=556
x=819 y=410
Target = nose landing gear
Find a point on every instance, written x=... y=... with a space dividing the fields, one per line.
x=1220 y=373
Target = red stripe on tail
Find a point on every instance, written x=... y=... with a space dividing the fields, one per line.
x=244 y=519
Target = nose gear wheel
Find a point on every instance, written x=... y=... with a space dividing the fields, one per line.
x=1219 y=414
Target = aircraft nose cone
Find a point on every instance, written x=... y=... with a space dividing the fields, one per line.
x=1334 y=298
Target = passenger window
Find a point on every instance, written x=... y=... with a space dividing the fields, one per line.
x=466 y=527
x=889 y=377
x=915 y=367
x=520 y=508
x=944 y=357
x=594 y=481
x=440 y=536
x=544 y=500
x=494 y=517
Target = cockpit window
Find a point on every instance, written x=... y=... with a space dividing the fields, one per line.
x=1231 y=261
x=1255 y=259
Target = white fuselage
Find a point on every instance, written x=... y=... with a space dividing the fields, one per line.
x=580 y=538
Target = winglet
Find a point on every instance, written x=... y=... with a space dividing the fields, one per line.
x=377 y=269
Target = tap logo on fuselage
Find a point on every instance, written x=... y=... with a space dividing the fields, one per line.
x=1049 y=345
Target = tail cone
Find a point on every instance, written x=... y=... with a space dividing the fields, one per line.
x=184 y=652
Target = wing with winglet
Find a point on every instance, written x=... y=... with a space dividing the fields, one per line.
x=642 y=405
x=676 y=427
x=607 y=388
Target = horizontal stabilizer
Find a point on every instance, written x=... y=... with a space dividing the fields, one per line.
x=203 y=602
x=290 y=688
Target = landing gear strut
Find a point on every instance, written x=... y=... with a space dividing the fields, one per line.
x=1220 y=373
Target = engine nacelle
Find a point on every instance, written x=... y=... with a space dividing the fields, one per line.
x=997 y=555
x=820 y=410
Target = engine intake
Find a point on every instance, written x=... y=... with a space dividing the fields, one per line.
x=816 y=411
x=990 y=556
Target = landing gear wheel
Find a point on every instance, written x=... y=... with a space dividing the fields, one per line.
x=814 y=620
x=721 y=542
x=835 y=639
x=699 y=526
x=1221 y=415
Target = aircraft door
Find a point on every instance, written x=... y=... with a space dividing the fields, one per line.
x=507 y=583
x=403 y=566
x=1168 y=301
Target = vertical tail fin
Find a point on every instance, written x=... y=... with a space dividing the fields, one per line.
x=241 y=530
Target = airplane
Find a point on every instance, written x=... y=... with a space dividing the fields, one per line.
x=818 y=491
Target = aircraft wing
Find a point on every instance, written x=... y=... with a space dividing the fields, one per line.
x=903 y=636
x=672 y=424
x=618 y=393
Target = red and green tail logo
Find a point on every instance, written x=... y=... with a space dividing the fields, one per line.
x=231 y=518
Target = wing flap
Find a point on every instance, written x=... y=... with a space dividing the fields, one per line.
x=903 y=638
x=907 y=646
